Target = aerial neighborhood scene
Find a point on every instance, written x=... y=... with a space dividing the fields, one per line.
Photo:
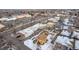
x=39 y=29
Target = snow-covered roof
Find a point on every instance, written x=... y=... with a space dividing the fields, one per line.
x=75 y=34
x=77 y=44
x=35 y=27
x=67 y=22
x=1 y=26
x=65 y=32
x=63 y=40
x=47 y=46
x=54 y=19
x=65 y=27
x=7 y=19
x=29 y=43
x=30 y=30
